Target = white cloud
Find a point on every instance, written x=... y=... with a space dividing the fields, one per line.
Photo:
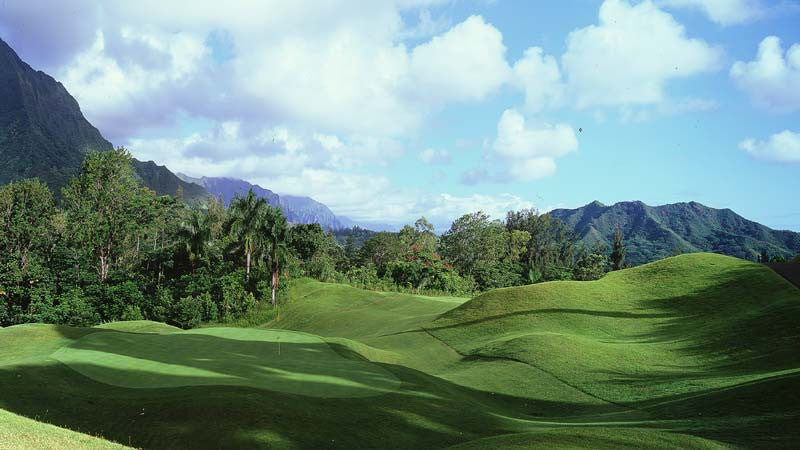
x=780 y=147
x=630 y=55
x=540 y=78
x=723 y=12
x=332 y=65
x=531 y=150
x=465 y=63
x=772 y=81
x=433 y=156
x=117 y=94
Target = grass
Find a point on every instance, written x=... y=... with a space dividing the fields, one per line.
x=697 y=351
x=21 y=433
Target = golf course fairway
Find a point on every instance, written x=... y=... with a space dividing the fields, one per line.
x=695 y=351
x=277 y=360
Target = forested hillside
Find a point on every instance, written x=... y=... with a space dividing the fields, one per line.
x=655 y=232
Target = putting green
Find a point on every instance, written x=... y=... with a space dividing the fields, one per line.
x=277 y=360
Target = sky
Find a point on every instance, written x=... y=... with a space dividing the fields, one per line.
x=390 y=110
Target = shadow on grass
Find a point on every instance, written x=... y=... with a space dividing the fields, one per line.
x=424 y=412
x=748 y=322
x=544 y=311
x=309 y=367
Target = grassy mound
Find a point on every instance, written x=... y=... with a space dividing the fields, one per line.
x=697 y=351
x=703 y=334
x=21 y=433
x=139 y=326
x=277 y=360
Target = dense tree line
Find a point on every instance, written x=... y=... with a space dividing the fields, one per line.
x=113 y=250
x=475 y=254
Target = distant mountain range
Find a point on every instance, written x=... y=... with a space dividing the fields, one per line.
x=296 y=208
x=43 y=133
x=655 y=232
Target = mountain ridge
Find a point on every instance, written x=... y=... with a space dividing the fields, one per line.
x=655 y=232
x=44 y=134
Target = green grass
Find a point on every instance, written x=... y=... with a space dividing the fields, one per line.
x=277 y=360
x=21 y=433
x=697 y=351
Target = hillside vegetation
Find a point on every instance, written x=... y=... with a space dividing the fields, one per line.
x=697 y=351
x=655 y=232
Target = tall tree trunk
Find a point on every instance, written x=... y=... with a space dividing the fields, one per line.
x=24 y=259
x=274 y=284
x=247 y=276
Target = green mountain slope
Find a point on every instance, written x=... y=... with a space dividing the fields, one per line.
x=44 y=135
x=655 y=232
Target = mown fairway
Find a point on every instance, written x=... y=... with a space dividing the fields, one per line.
x=697 y=351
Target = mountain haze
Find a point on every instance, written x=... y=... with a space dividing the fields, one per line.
x=297 y=209
x=655 y=232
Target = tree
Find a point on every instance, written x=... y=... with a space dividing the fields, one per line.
x=276 y=232
x=551 y=249
x=618 y=252
x=26 y=211
x=195 y=232
x=306 y=240
x=246 y=216
x=485 y=250
x=379 y=250
x=101 y=205
x=764 y=257
x=591 y=263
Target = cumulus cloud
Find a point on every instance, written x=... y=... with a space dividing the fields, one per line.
x=465 y=63
x=540 y=78
x=772 y=80
x=780 y=147
x=723 y=12
x=531 y=149
x=629 y=56
x=335 y=65
x=117 y=93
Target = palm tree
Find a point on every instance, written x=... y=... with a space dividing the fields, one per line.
x=246 y=219
x=275 y=231
x=195 y=232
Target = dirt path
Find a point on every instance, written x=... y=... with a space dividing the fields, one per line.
x=790 y=271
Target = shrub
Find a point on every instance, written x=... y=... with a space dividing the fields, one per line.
x=208 y=308
x=131 y=312
x=236 y=301
x=74 y=310
x=188 y=312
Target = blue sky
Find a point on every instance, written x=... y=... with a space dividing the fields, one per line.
x=386 y=111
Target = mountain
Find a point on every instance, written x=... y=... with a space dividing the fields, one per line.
x=655 y=232
x=227 y=188
x=44 y=135
x=296 y=209
x=308 y=210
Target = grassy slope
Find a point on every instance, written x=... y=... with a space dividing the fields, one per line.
x=17 y=432
x=664 y=355
x=696 y=335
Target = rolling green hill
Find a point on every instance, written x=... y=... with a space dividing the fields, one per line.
x=697 y=351
x=44 y=135
x=655 y=232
